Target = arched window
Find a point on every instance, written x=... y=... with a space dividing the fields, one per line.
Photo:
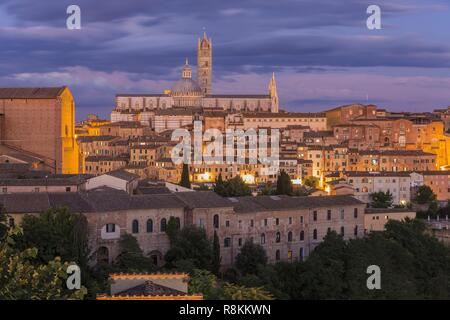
x=355 y=231
x=135 y=226
x=278 y=237
x=103 y=254
x=302 y=235
x=163 y=224
x=216 y=221
x=301 y=254
x=277 y=255
x=177 y=220
x=227 y=242
x=342 y=231
x=149 y=225
x=289 y=236
x=263 y=238
x=315 y=234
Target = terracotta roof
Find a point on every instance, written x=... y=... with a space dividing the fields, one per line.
x=31 y=93
x=123 y=175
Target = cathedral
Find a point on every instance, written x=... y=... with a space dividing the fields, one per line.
x=194 y=94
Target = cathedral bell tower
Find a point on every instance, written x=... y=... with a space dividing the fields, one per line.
x=204 y=64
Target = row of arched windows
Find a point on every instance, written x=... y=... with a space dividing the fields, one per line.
x=149 y=225
x=290 y=237
x=301 y=255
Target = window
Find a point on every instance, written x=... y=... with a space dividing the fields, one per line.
x=11 y=222
x=290 y=220
x=355 y=231
x=301 y=254
x=342 y=213
x=216 y=221
x=277 y=255
x=227 y=242
x=302 y=235
x=265 y=222
x=178 y=223
x=135 y=226
x=328 y=214
x=149 y=225
x=277 y=221
x=278 y=237
x=263 y=238
x=315 y=234
x=240 y=242
x=252 y=223
x=110 y=227
x=355 y=213
x=301 y=219
x=68 y=189
x=227 y=223
x=342 y=231
x=289 y=236
x=163 y=225
x=315 y=215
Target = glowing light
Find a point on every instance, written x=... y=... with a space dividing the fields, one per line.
x=296 y=181
x=248 y=178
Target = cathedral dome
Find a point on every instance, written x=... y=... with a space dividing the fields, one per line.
x=186 y=86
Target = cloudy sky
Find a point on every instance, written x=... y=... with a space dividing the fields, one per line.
x=321 y=50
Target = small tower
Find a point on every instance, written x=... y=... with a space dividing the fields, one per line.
x=273 y=94
x=186 y=73
x=204 y=64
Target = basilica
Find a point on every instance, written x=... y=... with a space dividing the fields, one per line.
x=193 y=94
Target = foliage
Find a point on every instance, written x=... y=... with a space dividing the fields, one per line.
x=234 y=187
x=425 y=195
x=172 y=228
x=236 y=292
x=185 y=180
x=192 y=244
x=250 y=257
x=284 y=184
x=312 y=182
x=216 y=254
x=204 y=282
x=23 y=276
x=131 y=257
x=57 y=232
x=381 y=199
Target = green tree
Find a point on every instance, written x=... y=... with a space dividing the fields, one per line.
x=425 y=195
x=219 y=187
x=284 y=184
x=172 y=228
x=190 y=247
x=268 y=189
x=234 y=187
x=216 y=254
x=185 y=180
x=57 y=232
x=131 y=257
x=236 y=292
x=250 y=257
x=312 y=182
x=23 y=276
x=381 y=199
x=204 y=282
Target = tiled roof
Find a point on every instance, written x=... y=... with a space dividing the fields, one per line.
x=377 y=174
x=149 y=288
x=395 y=152
x=123 y=175
x=31 y=93
x=203 y=199
x=274 y=203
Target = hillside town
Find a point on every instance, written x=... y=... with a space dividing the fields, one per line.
x=349 y=169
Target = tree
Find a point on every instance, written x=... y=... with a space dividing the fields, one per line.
x=57 y=232
x=190 y=247
x=131 y=257
x=250 y=257
x=185 y=180
x=204 y=282
x=312 y=182
x=219 y=187
x=236 y=292
x=284 y=184
x=23 y=276
x=425 y=195
x=381 y=199
x=234 y=187
x=172 y=228
x=268 y=189
x=216 y=254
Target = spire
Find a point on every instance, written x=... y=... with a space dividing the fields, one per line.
x=273 y=86
x=186 y=63
x=204 y=35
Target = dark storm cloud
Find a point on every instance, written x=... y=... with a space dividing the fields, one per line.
x=124 y=42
